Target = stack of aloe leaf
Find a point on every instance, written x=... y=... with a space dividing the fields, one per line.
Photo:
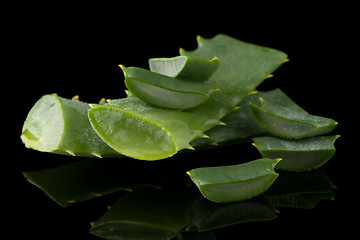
x=201 y=99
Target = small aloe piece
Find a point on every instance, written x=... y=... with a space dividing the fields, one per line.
x=297 y=155
x=185 y=68
x=237 y=182
x=59 y=125
x=164 y=91
x=289 y=123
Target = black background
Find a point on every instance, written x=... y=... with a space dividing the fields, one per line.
x=75 y=50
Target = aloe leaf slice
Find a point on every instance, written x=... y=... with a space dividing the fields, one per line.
x=163 y=91
x=297 y=155
x=185 y=68
x=243 y=66
x=59 y=125
x=237 y=182
x=289 y=123
x=240 y=124
x=147 y=212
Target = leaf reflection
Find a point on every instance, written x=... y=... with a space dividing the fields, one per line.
x=163 y=206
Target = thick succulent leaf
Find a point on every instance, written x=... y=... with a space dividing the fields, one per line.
x=207 y=215
x=60 y=125
x=240 y=124
x=300 y=190
x=289 y=123
x=297 y=155
x=147 y=214
x=90 y=178
x=237 y=182
x=243 y=66
x=185 y=68
x=166 y=92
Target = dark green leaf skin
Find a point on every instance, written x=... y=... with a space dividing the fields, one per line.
x=297 y=155
x=289 y=123
x=237 y=182
x=185 y=68
x=61 y=126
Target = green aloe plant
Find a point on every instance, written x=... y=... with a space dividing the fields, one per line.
x=180 y=103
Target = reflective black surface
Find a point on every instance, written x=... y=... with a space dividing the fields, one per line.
x=80 y=56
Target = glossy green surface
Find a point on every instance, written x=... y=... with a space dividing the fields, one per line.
x=297 y=155
x=60 y=125
x=290 y=123
x=243 y=66
x=237 y=182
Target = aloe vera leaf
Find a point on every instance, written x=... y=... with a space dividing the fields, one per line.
x=240 y=124
x=243 y=66
x=146 y=214
x=297 y=155
x=289 y=123
x=300 y=190
x=185 y=68
x=206 y=215
x=60 y=125
x=163 y=91
x=235 y=183
x=89 y=178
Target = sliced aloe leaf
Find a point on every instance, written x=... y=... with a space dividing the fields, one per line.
x=164 y=91
x=300 y=190
x=243 y=66
x=185 y=68
x=290 y=123
x=146 y=213
x=237 y=182
x=240 y=124
x=297 y=155
x=59 y=125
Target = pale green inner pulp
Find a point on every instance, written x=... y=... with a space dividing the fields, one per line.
x=165 y=98
x=168 y=68
x=131 y=135
x=44 y=125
